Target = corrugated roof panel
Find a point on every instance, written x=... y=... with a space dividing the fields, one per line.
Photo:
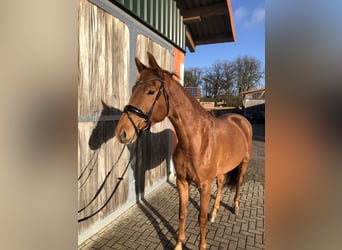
x=162 y=15
x=208 y=21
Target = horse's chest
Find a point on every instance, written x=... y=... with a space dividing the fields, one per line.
x=198 y=168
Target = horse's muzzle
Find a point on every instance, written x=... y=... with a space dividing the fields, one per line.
x=125 y=135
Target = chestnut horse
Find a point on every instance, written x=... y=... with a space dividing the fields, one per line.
x=208 y=146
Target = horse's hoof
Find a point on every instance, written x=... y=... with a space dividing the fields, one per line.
x=236 y=211
x=212 y=219
x=178 y=246
x=203 y=247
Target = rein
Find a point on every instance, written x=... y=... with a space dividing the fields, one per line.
x=147 y=117
x=104 y=181
x=102 y=185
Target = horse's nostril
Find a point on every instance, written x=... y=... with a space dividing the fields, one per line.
x=123 y=135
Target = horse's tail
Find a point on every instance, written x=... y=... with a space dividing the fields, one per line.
x=232 y=178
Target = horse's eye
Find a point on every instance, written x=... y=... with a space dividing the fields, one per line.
x=150 y=92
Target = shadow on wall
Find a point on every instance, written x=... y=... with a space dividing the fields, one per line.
x=105 y=127
x=147 y=153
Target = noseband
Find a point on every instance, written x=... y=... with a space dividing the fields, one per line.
x=147 y=117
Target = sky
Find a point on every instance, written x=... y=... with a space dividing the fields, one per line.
x=249 y=21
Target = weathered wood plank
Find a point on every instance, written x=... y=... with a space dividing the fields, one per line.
x=103 y=91
x=103 y=60
x=103 y=77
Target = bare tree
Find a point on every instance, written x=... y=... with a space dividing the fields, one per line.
x=225 y=80
x=228 y=83
x=220 y=81
x=247 y=72
x=192 y=77
x=214 y=79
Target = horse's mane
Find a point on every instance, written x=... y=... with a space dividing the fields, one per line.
x=174 y=75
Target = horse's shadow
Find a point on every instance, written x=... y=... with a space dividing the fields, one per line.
x=148 y=153
x=152 y=149
x=105 y=127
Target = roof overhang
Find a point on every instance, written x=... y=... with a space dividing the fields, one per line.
x=252 y=91
x=207 y=22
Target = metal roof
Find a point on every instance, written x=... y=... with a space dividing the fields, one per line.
x=163 y=16
x=185 y=22
x=207 y=21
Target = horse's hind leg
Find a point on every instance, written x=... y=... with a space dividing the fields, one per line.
x=219 y=183
x=242 y=172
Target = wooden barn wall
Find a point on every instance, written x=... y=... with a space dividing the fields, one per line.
x=103 y=91
x=107 y=47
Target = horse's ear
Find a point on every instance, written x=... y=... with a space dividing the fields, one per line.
x=105 y=106
x=153 y=64
x=140 y=65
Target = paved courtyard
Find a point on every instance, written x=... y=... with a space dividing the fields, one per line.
x=153 y=224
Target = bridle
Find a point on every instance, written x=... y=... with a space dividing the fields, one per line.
x=147 y=117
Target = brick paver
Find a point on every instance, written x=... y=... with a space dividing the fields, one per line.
x=153 y=224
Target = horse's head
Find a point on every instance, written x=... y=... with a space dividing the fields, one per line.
x=148 y=104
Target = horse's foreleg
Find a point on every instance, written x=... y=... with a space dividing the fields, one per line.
x=219 y=183
x=203 y=216
x=242 y=172
x=183 y=189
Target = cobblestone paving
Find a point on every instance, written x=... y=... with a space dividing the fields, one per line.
x=153 y=224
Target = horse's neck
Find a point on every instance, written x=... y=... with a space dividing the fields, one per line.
x=185 y=112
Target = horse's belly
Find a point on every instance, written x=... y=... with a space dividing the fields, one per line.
x=227 y=166
x=230 y=159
